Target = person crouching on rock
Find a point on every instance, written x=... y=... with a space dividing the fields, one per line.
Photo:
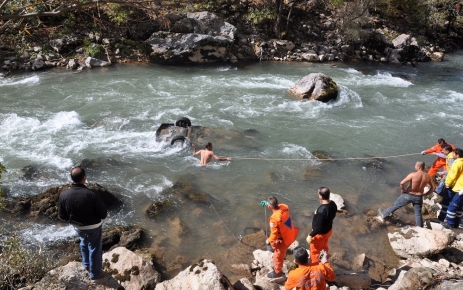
x=282 y=234
x=309 y=275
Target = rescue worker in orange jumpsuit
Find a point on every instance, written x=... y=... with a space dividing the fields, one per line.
x=309 y=275
x=322 y=224
x=440 y=162
x=282 y=234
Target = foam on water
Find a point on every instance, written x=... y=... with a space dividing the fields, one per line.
x=295 y=151
x=226 y=68
x=149 y=185
x=47 y=234
x=347 y=98
x=51 y=141
x=379 y=98
x=30 y=139
x=60 y=121
x=351 y=71
x=454 y=97
x=162 y=149
x=19 y=81
x=380 y=79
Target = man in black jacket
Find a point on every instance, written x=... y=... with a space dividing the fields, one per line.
x=322 y=224
x=85 y=210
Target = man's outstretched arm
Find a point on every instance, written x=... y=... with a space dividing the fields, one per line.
x=221 y=159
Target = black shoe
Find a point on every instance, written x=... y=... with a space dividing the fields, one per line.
x=273 y=275
x=446 y=225
x=100 y=276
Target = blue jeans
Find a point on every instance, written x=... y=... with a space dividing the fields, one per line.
x=454 y=209
x=91 y=249
x=403 y=200
x=439 y=189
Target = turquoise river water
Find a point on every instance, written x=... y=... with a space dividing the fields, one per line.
x=52 y=120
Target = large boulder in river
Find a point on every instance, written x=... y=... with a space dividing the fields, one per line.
x=315 y=86
x=199 y=38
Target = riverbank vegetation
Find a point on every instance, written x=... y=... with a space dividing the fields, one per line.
x=20 y=265
x=432 y=21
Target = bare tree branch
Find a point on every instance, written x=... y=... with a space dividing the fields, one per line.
x=3 y=4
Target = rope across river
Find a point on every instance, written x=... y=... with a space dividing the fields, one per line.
x=324 y=159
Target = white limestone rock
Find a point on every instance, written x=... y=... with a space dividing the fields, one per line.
x=409 y=242
x=204 y=275
x=133 y=272
x=73 y=276
x=94 y=62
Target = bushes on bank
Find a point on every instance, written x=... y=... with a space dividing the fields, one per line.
x=19 y=265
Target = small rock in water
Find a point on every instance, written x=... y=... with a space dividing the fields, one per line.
x=364 y=168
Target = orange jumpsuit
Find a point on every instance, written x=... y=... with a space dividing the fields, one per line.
x=310 y=277
x=319 y=242
x=282 y=235
x=322 y=228
x=439 y=161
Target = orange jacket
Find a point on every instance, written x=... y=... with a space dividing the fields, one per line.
x=281 y=226
x=310 y=277
x=437 y=148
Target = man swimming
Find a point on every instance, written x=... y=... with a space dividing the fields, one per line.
x=207 y=154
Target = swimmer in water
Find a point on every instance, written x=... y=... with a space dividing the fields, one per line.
x=207 y=154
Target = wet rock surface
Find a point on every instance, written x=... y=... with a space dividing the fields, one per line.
x=315 y=86
x=46 y=203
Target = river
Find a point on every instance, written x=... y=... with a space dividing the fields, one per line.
x=52 y=120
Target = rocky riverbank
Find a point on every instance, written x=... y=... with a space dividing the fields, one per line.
x=204 y=37
x=429 y=257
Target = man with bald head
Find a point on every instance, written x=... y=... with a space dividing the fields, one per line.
x=412 y=188
x=85 y=210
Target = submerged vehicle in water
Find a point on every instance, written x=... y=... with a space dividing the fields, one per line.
x=182 y=131
x=175 y=132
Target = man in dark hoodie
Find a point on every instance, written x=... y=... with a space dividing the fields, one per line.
x=85 y=210
x=322 y=224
